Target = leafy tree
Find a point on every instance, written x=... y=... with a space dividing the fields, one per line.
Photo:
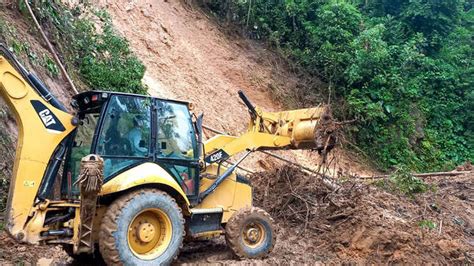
x=403 y=67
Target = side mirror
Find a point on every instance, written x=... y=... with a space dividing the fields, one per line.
x=198 y=125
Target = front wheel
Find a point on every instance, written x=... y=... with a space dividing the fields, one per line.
x=144 y=227
x=250 y=234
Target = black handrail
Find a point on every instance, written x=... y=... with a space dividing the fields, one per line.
x=252 y=111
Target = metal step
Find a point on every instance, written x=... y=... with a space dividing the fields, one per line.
x=203 y=211
x=204 y=220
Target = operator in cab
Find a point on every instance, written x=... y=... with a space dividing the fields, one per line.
x=135 y=138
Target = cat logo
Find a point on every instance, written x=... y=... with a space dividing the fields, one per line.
x=49 y=120
x=47 y=117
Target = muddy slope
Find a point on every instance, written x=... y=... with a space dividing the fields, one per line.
x=189 y=57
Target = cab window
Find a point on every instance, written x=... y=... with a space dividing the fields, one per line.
x=176 y=143
x=126 y=132
x=175 y=136
x=80 y=147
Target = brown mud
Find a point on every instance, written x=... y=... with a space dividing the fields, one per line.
x=190 y=58
x=357 y=223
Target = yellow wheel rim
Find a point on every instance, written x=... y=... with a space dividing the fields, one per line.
x=253 y=234
x=149 y=234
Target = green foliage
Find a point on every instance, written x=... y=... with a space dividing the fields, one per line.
x=404 y=68
x=8 y=35
x=427 y=224
x=4 y=182
x=4 y=186
x=402 y=181
x=91 y=44
x=407 y=183
x=50 y=66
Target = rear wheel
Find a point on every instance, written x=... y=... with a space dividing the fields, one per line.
x=144 y=227
x=250 y=233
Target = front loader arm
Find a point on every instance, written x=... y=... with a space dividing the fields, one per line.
x=308 y=128
x=43 y=125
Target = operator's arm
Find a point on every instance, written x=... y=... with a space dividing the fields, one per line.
x=135 y=138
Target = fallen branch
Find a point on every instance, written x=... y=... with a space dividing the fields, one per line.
x=51 y=49
x=454 y=173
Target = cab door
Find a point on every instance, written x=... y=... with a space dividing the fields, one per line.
x=176 y=147
x=124 y=134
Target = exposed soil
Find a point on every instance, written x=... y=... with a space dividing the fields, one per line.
x=357 y=223
x=188 y=57
x=13 y=253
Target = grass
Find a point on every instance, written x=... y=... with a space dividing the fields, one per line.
x=9 y=35
x=427 y=224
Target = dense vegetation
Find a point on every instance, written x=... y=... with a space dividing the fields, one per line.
x=88 y=41
x=403 y=68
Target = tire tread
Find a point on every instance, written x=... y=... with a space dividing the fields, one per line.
x=108 y=226
x=234 y=226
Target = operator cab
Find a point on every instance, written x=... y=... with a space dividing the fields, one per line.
x=127 y=130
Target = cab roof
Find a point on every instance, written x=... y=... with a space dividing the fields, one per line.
x=91 y=101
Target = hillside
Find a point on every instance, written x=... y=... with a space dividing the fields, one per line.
x=188 y=55
x=403 y=69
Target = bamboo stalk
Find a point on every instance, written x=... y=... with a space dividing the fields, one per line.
x=454 y=173
x=51 y=49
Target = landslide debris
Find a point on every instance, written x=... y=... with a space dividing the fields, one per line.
x=362 y=222
x=14 y=253
x=358 y=223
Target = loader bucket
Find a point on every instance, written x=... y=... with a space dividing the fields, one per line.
x=310 y=128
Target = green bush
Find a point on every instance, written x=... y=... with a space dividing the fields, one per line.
x=427 y=224
x=404 y=68
x=407 y=183
x=402 y=181
x=103 y=57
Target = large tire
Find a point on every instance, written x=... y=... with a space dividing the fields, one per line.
x=250 y=233
x=121 y=241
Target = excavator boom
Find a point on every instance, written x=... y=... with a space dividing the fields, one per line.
x=43 y=128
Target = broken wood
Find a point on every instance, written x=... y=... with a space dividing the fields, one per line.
x=51 y=49
x=454 y=173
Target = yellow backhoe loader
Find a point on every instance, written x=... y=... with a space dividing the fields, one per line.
x=132 y=175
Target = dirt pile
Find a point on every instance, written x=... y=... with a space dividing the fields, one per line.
x=360 y=222
x=13 y=253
